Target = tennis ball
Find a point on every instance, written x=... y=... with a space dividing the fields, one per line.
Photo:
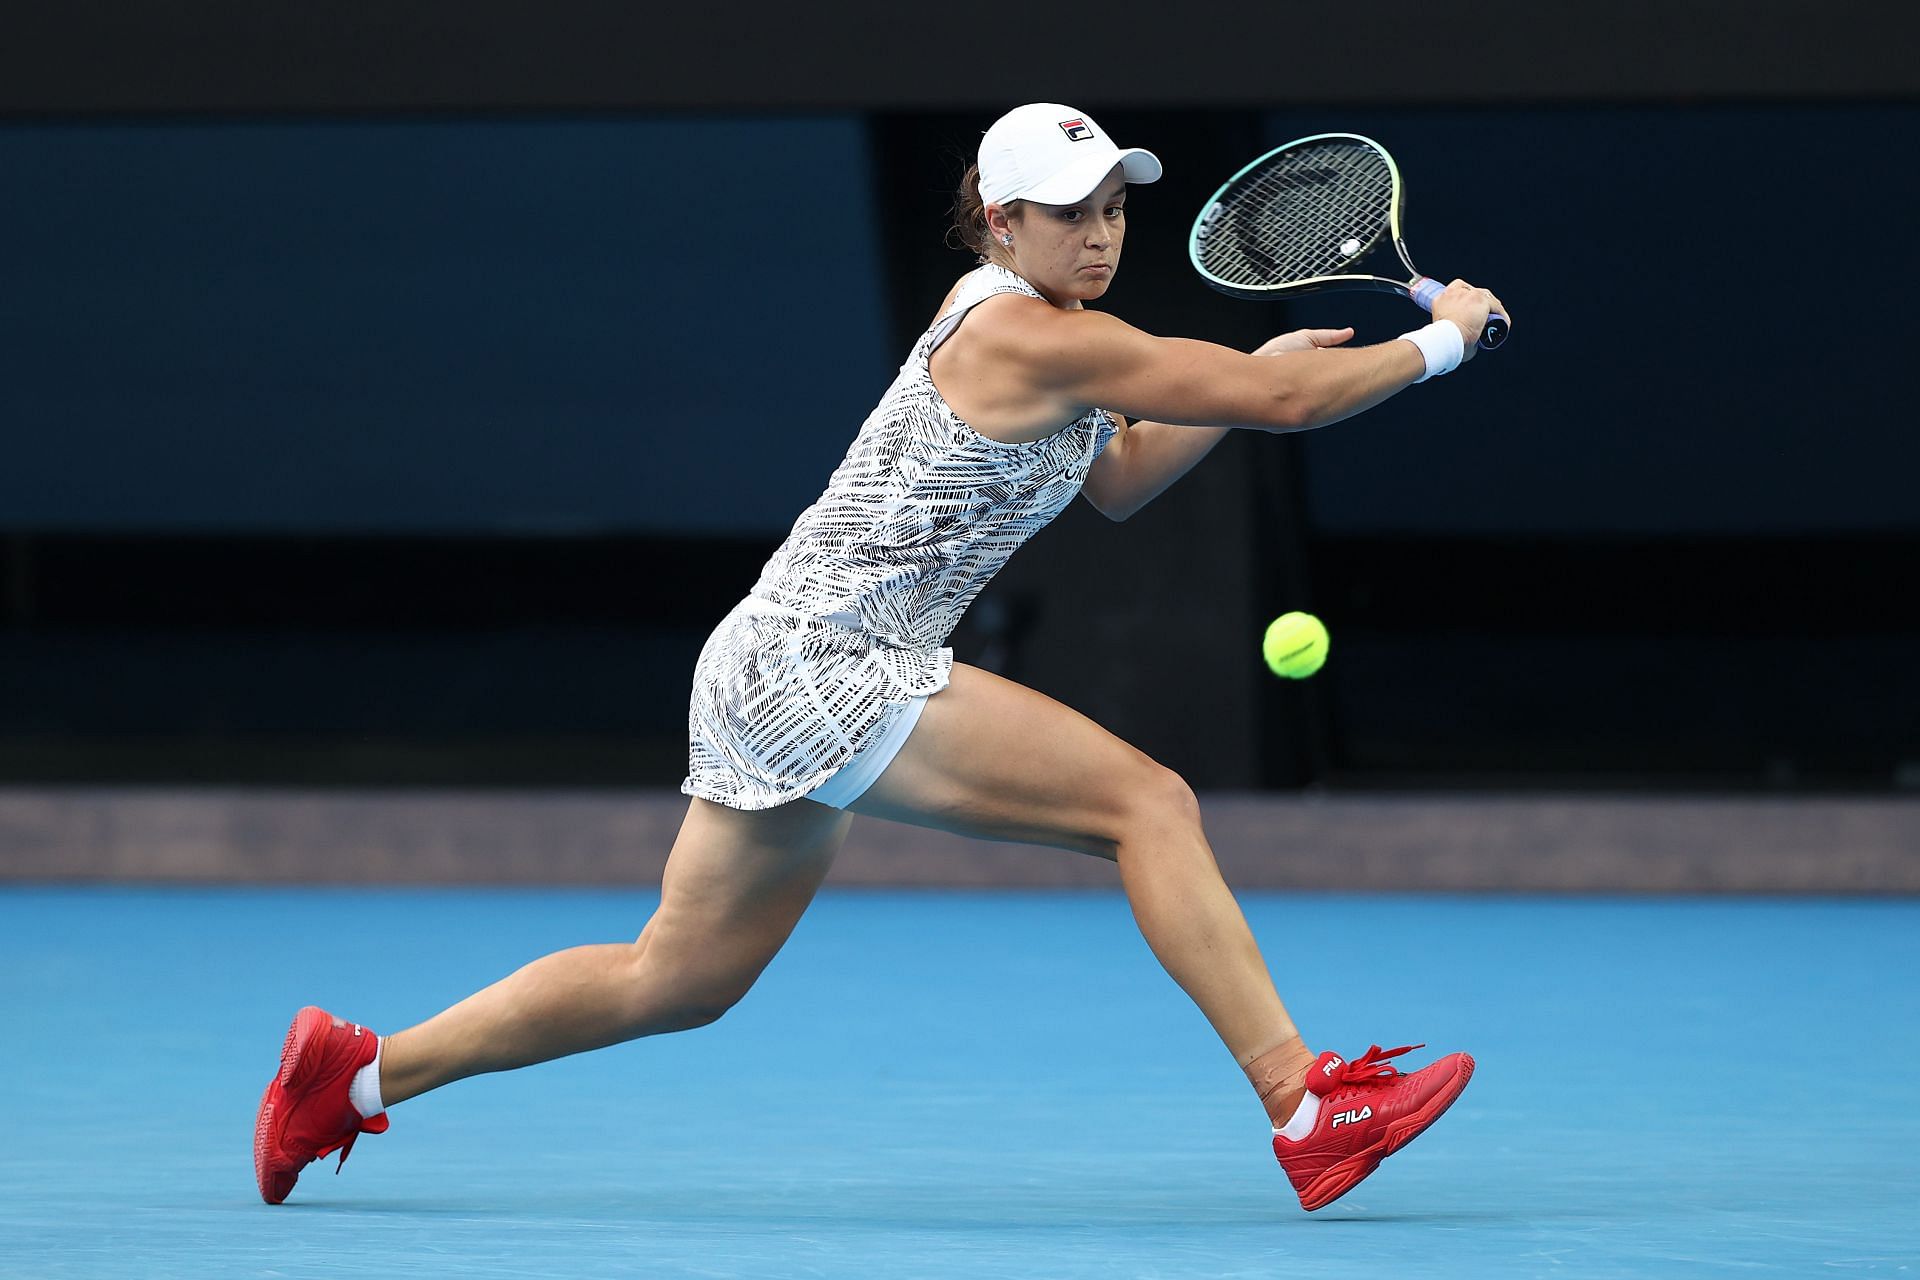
x=1295 y=645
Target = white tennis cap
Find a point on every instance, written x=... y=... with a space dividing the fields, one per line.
x=1054 y=155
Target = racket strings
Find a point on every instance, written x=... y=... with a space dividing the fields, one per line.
x=1312 y=211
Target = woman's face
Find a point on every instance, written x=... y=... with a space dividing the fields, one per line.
x=1069 y=252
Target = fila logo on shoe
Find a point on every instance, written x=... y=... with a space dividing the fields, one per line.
x=1352 y=1117
x=1333 y=1065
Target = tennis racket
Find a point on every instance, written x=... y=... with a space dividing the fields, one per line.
x=1316 y=215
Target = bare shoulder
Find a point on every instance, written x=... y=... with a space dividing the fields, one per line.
x=1017 y=319
x=1052 y=343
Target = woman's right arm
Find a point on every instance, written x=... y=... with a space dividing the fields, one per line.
x=1087 y=358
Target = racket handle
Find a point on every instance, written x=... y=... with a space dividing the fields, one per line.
x=1426 y=291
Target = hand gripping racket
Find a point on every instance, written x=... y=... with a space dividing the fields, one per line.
x=1316 y=215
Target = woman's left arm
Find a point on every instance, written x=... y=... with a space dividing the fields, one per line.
x=1142 y=462
x=1144 y=459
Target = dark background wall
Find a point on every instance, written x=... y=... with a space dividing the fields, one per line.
x=385 y=408
x=418 y=327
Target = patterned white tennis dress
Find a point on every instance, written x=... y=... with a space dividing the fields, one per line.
x=847 y=623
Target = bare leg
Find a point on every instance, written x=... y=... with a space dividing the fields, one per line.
x=994 y=759
x=735 y=887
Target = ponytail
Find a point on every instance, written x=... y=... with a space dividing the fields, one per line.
x=969 y=230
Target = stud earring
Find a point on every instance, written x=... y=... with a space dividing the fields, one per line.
x=1006 y=239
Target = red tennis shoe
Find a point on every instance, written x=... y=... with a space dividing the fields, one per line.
x=1368 y=1111
x=305 y=1113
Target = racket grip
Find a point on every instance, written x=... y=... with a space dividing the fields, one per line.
x=1426 y=291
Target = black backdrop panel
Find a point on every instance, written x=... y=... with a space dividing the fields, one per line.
x=240 y=55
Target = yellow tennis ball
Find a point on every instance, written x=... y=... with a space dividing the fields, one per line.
x=1295 y=645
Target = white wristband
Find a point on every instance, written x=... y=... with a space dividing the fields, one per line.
x=1440 y=346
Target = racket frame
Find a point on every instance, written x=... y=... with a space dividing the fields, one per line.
x=1421 y=289
x=1314 y=284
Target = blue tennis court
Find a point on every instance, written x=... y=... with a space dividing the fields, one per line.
x=994 y=1084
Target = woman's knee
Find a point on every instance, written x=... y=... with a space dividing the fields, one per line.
x=688 y=1015
x=1158 y=800
x=678 y=988
x=697 y=1004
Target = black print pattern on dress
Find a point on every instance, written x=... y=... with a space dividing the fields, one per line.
x=849 y=618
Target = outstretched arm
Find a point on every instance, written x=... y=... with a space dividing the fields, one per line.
x=1062 y=361
x=1145 y=459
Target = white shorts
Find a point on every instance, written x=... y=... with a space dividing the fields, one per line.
x=859 y=773
x=784 y=705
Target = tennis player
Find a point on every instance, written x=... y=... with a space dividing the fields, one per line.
x=827 y=691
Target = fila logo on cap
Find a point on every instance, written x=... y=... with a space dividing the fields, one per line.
x=1076 y=130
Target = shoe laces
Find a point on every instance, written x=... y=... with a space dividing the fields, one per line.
x=1371 y=1067
x=345 y=1144
x=345 y=1147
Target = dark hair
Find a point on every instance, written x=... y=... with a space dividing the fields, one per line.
x=969 y=229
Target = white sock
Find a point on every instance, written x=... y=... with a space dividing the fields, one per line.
x=364 y=1091
x=1304 y=1117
